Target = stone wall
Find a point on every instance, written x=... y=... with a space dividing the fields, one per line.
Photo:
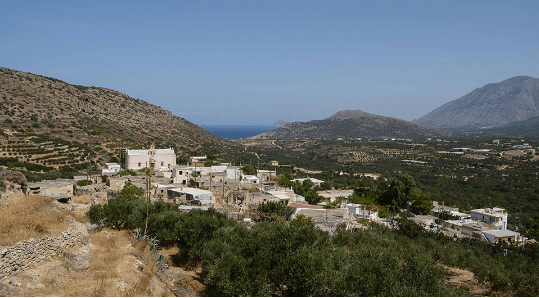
x=29 y=253
x=99 y=193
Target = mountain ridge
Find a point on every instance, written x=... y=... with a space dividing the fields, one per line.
x=353 y=124
x=494 y=104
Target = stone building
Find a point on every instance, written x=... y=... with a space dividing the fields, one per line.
x=151 y=158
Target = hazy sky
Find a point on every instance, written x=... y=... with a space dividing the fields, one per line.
x=256 y=62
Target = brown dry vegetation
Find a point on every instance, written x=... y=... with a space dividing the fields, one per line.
x=84 y=199
x=30 y=217
x=117 y=268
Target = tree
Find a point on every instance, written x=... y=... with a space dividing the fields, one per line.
x=284 y=181
x=274 y=211
x=249 y=169
x=312 y=196
x=130 y=192
x=398 y=194
x=308 y=183
x=421 y=203
x=302 y=221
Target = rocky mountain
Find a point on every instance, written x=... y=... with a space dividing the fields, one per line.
x=279 y=123
x=526 y=128
x=36 y=111
x=353 y=124
x=495 y=104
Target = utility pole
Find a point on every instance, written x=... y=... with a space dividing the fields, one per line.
x=88 y=173
x=223 y=189
x=148 y=196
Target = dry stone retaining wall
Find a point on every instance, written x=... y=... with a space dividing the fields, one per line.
x=29 y=253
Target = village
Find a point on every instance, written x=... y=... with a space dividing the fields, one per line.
x=229 y=190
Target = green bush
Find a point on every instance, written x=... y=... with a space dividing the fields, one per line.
x=127 y=172
x=274 y=211
x=84 y=182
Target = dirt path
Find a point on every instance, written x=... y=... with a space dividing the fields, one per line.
x=466 y=279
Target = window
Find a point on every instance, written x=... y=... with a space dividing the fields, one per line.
x=139 y=164
x=162 y=163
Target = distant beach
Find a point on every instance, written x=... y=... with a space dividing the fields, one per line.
x=235 y=132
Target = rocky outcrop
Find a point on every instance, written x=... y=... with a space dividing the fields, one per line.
x=13 y=184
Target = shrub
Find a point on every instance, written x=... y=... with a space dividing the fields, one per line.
x=84 y=182
x=127 y=172
x=274 y=211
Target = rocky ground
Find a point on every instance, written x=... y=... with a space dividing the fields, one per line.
x=110 y=263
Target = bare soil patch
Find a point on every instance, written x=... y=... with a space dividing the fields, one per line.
x=466 y=279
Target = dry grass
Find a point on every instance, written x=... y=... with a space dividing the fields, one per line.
x=84 y=199
x=114 y=271
x=111 y=249
x=78 y=216
x=141 y=287
x=29 y=217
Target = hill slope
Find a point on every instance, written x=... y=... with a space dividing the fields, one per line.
x=37 y=113
x=494 y=104
x=354 y=124
x=528 y=128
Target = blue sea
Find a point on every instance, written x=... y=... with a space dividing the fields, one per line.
x=235 y=132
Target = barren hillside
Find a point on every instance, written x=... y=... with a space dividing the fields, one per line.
x=42 y=109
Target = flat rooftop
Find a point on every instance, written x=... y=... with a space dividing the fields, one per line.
x=501 y=233
x=191 y=191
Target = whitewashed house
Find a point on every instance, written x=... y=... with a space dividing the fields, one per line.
x=361 y=211
x=496 y=217
x=111 y=169
x=251 y=178
x=180 y=174
x=494 y=236
x=151 y=158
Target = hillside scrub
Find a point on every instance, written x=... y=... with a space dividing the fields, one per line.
x=297 y=259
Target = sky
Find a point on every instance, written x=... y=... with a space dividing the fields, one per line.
x=256 y=62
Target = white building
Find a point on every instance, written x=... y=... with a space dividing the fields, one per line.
x=251 y=178
x=361 y=211
x=180 y=175
x=111 y=169
x=496 y=217
x=234 y=173
x=151 y=158
x=332 y=195
x=316 y=182
x=194 y=196
x=494 y=236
